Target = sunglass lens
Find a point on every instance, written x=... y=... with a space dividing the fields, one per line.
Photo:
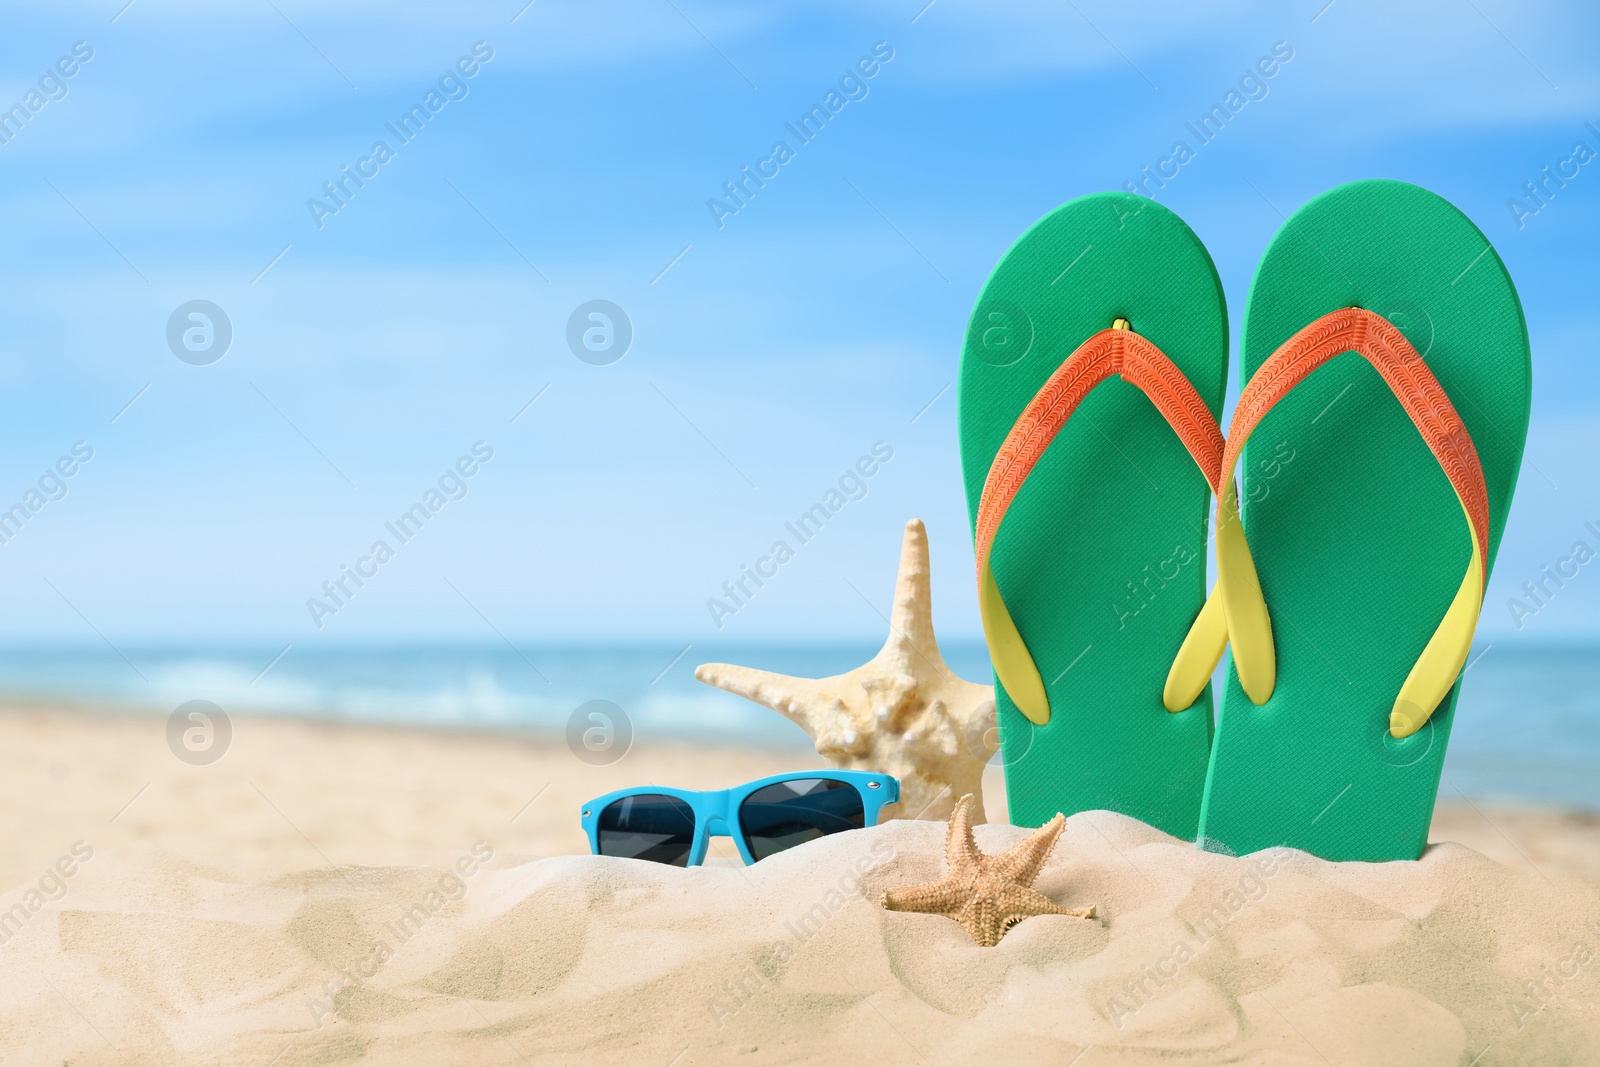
x=649 y=826
x=791 y=813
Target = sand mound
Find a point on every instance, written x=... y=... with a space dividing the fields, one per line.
x=1277 y=958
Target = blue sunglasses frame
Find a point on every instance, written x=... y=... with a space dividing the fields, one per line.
x=716 y=811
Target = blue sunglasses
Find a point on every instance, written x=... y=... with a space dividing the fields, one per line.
x=763 y=817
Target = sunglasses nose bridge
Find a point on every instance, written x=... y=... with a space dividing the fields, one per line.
x=708 y=824
x=721 y=819
x=724 y=813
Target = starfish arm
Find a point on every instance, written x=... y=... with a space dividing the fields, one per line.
x=911 y=618
x=936 y=898
x=911 y=635
x=1016 y=903
x=960 y=849
x=1024 y=860
x=794 y=698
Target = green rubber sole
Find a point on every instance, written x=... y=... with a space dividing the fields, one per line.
x=1358 y=538
x=1101 y=558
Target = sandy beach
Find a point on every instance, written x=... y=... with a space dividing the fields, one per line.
x=258 y=907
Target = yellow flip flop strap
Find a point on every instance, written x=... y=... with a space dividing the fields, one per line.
x=1197 y=657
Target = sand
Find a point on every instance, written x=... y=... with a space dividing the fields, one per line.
x=329 y=895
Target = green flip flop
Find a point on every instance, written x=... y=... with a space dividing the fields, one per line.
x=1107 y=311
x=1379 y=438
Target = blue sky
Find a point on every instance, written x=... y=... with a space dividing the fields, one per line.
x=371 y=353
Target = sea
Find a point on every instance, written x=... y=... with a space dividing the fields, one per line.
x=1527 y=726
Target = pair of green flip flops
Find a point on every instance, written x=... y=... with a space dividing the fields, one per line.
x=1373 y=457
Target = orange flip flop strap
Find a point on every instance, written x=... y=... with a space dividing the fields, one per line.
x=1109 y=352
x=1391 y=355
x=1422 y=397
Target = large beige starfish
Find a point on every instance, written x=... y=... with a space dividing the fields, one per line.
x=904 y=713
x=987 y=895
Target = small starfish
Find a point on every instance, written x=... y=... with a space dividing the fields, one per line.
x=987 y=895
